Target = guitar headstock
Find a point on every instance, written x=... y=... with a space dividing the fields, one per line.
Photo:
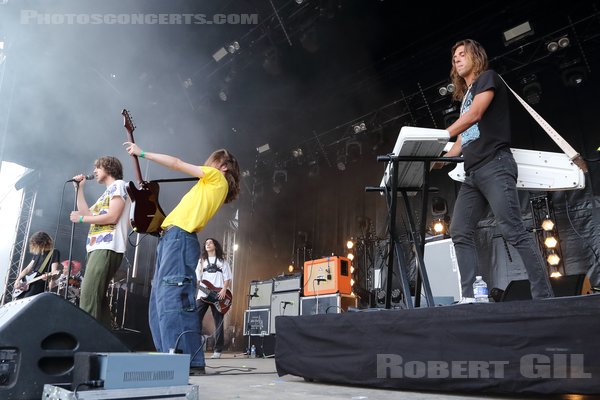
x=127 y=121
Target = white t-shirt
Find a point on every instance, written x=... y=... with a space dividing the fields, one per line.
x=112 y=236
x=217 y=279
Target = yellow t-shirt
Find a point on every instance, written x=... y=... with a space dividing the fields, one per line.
x=199 y=205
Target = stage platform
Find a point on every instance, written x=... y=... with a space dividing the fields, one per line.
x=532 y=347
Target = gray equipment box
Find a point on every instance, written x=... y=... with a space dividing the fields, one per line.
x=285 y=303
x=188 y=392
x=260 y=294
x=326 y=304
x=287 y=283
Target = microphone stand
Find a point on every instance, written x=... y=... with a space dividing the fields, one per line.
x=71 y=246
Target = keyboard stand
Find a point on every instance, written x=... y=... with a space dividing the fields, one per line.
x=417 y=235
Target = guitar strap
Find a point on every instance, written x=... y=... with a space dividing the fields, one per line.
x=43 y=266
x=562 y=143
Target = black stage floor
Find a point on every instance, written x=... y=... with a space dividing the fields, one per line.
x=522 y=347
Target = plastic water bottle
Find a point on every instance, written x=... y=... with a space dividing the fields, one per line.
x=253 y=351
x=480 y=290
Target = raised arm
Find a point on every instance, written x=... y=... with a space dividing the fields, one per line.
x=165 y=160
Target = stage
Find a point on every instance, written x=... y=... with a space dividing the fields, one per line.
x=538 y=347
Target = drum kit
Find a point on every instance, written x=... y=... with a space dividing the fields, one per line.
x=73 y=284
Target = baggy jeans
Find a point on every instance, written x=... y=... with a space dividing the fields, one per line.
x=173 y=316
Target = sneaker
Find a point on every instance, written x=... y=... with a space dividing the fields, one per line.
x=216 y=354
x=195 y=371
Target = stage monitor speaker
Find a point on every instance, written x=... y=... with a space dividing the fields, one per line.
x=327 y=276
x=39 y=337
x=568 y=285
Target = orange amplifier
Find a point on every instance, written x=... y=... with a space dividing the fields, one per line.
x=327 y=275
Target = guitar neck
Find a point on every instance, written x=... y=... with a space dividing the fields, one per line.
x=136 y=161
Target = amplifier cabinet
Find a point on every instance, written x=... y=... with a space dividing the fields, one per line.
x=327 y=276
x=329 y=304
x=287 y=283
x=257 y=322
x=284 y=303
x=260 y=294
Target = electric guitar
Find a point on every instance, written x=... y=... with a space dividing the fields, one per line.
x=146 y=214
x=29 y=279
x=212 y=297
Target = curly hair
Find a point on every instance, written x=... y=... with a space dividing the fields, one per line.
x=218 y=250
x=40 y=242
x=111 y=165
x=476 y=53
x=221 y=157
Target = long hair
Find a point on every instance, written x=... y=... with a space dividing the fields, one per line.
x=476 y=53
x=40 y=242
x=218 y=250
x=220 y=157
x=111 y=165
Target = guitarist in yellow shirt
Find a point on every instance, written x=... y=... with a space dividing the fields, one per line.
x=174 y=321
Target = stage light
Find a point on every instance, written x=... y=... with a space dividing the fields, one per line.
x=219 y=54
x=573 y=73
x=550 y=242
x=444 y=90
x=340 y=162
x=517 y=33
x=360 y=127
x=352 y=269
x=350 y=256
x=532 y=90
x=233 y=47
x=290 y=268
x=297 y=153
x=349 y=244
x=279 y=179
x=552 y=47
x=299 y=1
x=439 y=227
x=223 y=94
x=547 y=225
x=396 y=295
x=313 y=168
x=352 y=282
x=553 y=259
x=554 y=272
x=380 y=297
x=564 y=42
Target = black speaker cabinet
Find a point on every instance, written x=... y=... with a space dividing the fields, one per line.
x=39 y=337
x=568 y=285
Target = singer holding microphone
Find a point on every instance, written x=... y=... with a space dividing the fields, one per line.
x=213 y=268
x=107 y=237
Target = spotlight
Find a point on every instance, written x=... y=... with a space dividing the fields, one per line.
x=573 y=73
x=349 y=244
x=564 y=42
x=223 y=95
x=233 y=47
x=352 y=269
x=547 y=225
x=396 y=295
x=352 y=282
x=350 y=256
x=439 y=227
x=552 y=47
x=532 y=90
x=313 y=168
x=550 y=242
x=554 y=272
x=444 y=90
x=299 y=1
x=341 y=162
x=297 y=153
x=236 y=247
x=553 y=259
x=360 y=127
x=290 y=268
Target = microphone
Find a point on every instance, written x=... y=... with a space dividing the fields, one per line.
x=87 y=177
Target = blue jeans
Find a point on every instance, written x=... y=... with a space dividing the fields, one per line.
x=172 y=308
x=495 y=184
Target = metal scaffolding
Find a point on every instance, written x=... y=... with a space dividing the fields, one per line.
x=17 y=254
